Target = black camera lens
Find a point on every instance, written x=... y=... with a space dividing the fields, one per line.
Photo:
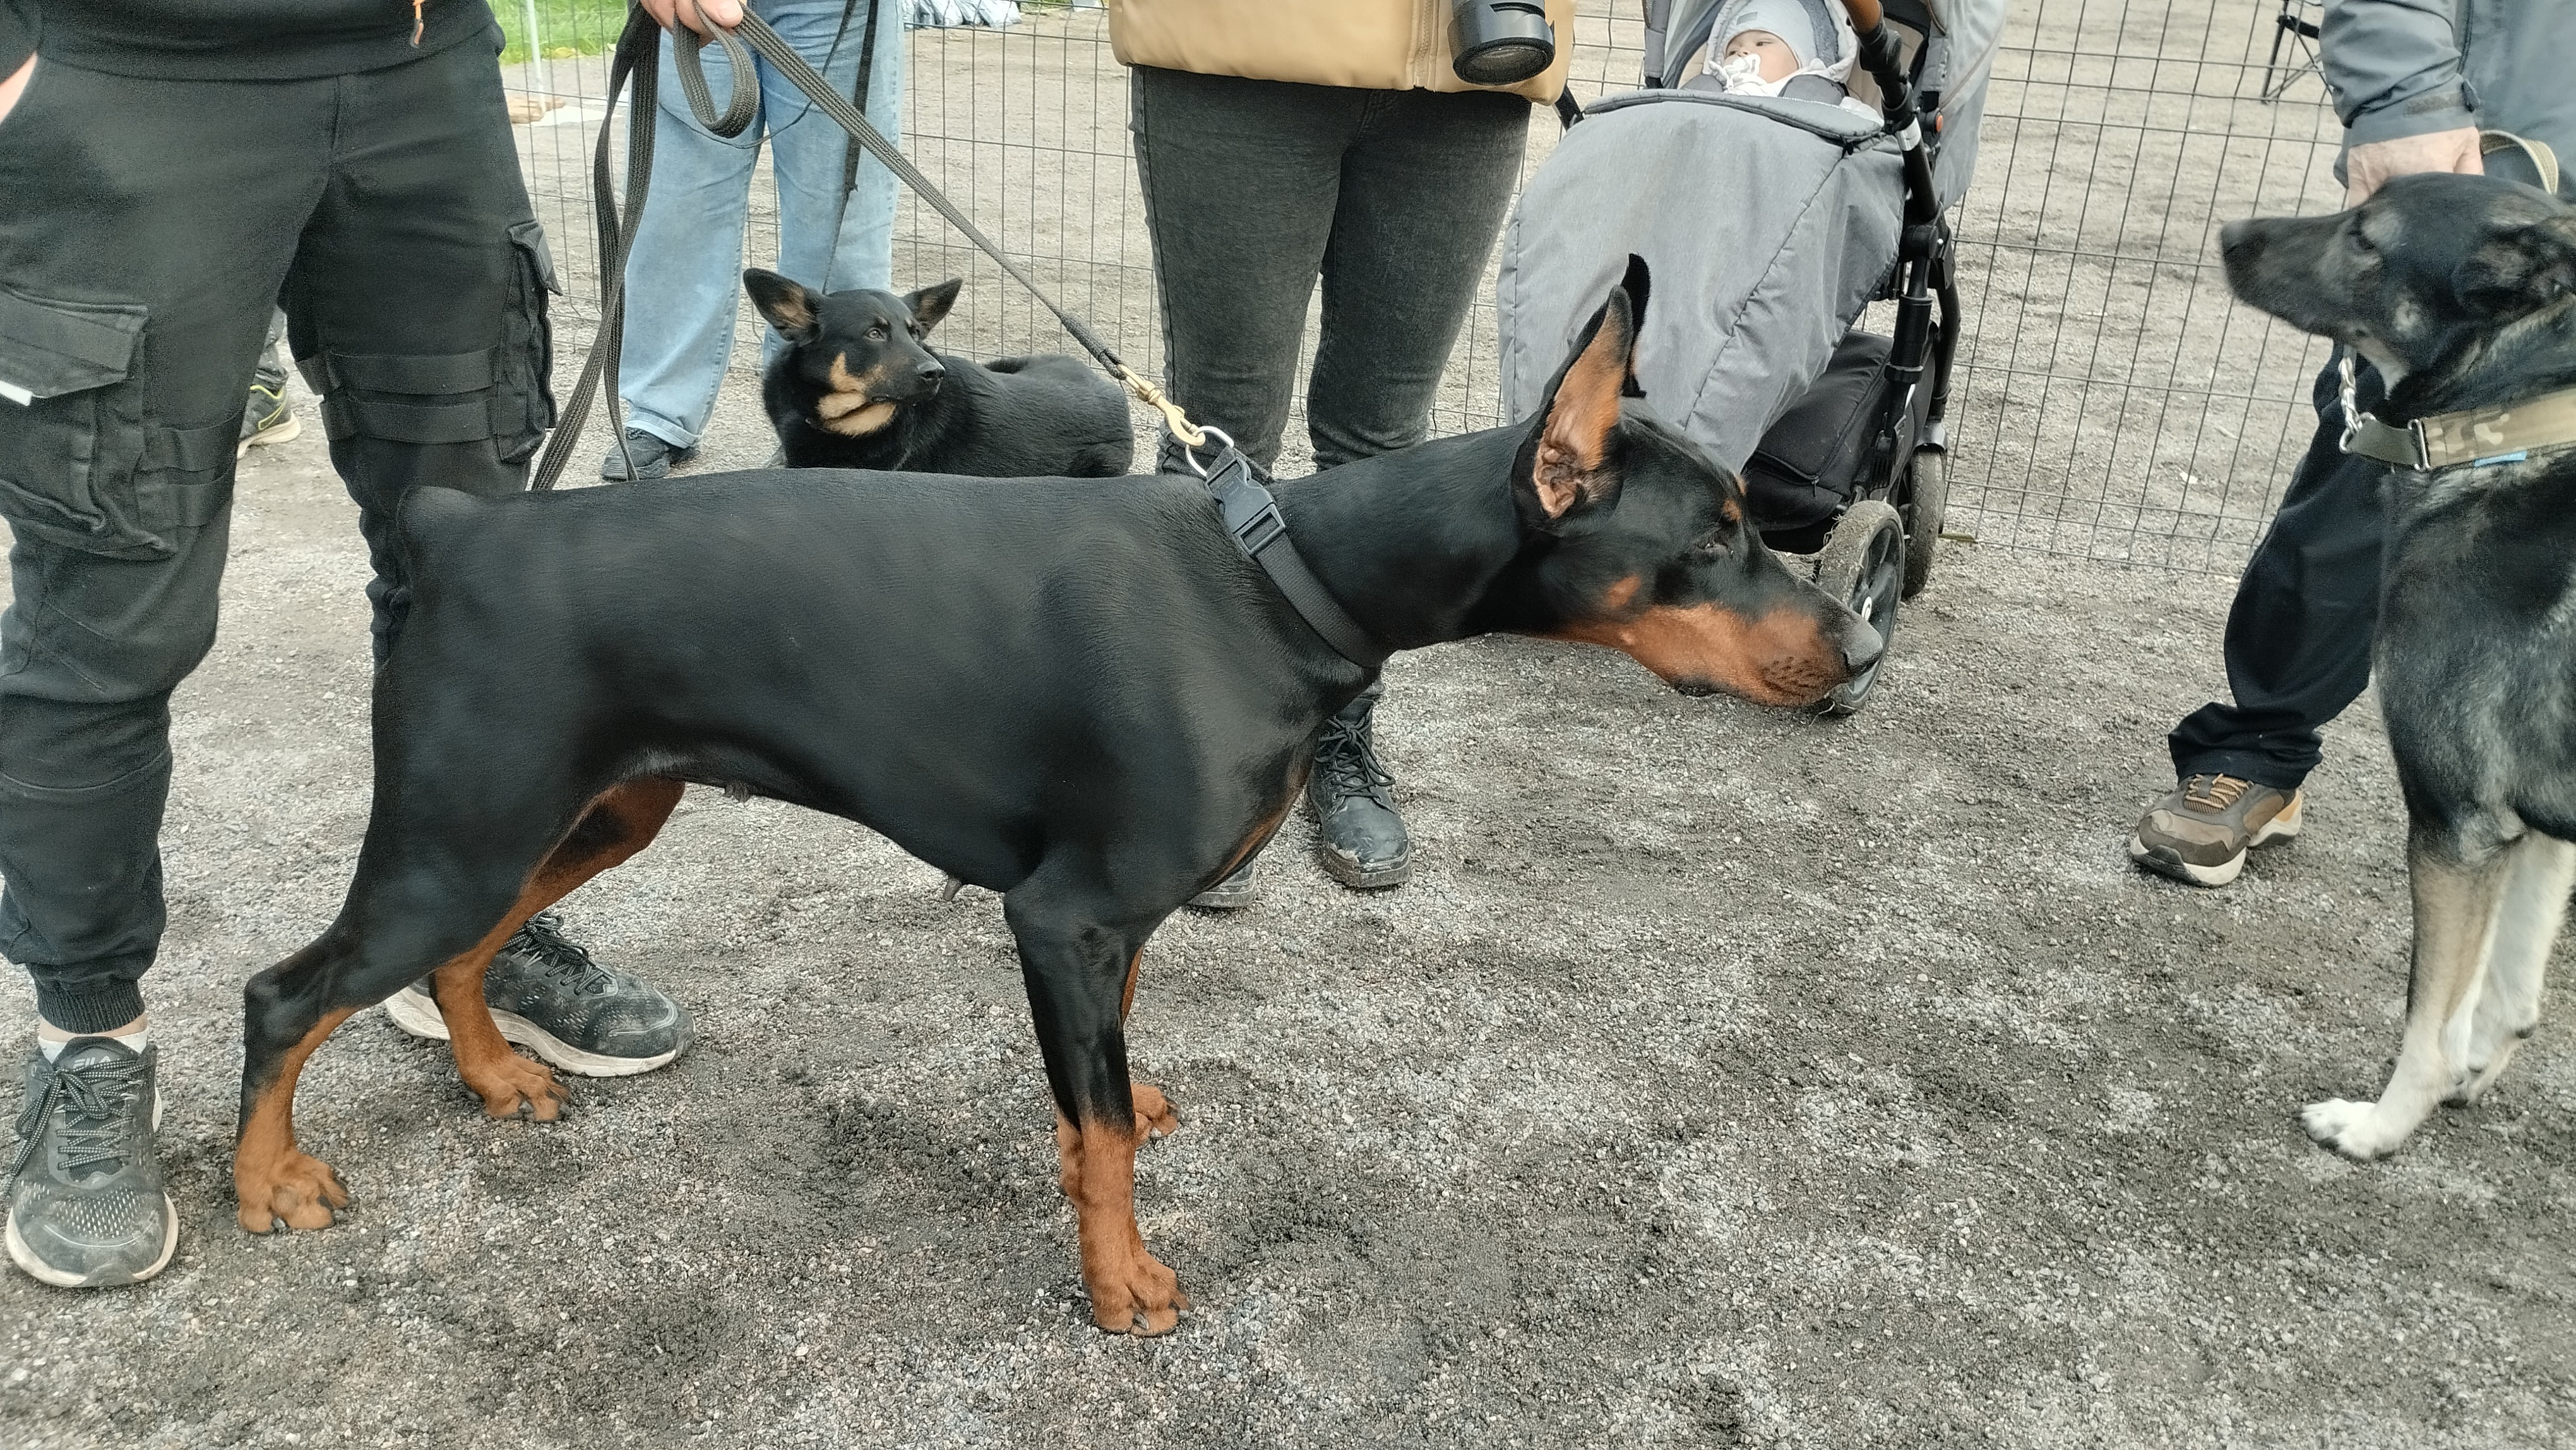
x=1502 y=42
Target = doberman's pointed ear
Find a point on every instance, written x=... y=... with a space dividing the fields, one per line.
x=1636 y=284
x=1571 y=460
x=932 y=303
x=790 y=306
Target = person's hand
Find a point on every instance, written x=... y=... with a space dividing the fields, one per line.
x=2373 y=164
x=15 y=86
x=703 y=16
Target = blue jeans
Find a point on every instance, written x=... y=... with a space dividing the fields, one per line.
x=684 y=277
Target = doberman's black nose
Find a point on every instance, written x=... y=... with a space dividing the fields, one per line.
x=1861 y=646
x=931 y=372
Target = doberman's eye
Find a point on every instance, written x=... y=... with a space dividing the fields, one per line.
x=1713 y=544
x=877 y=333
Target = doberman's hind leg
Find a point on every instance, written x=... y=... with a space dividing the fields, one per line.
x=400 y=920
x=618 y=823
x=283 y=1021
x=1078 y=973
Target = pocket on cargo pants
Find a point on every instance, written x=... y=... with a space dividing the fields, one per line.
x=82 y=464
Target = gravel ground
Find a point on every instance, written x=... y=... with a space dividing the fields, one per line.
x=1724 y=1078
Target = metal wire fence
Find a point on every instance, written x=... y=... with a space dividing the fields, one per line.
x=2112 y=402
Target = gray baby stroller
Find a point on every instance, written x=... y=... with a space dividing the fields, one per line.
x=1771 y=222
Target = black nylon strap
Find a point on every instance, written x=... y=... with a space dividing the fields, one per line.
x=1252 y=518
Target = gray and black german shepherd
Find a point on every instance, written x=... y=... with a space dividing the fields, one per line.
x=2461 y=290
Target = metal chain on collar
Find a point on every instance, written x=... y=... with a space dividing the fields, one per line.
x=2351 y=386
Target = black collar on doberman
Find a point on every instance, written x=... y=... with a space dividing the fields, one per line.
x=1252 y=520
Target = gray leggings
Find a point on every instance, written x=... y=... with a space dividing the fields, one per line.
x=1253 y=189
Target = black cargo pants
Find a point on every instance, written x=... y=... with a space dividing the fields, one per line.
x=149 y=228
x=2299 y=635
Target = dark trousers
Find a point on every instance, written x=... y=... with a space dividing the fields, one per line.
x=1254 y=189
x=2298 y=638
x=151 y=228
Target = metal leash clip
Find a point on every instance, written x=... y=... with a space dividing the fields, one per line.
x=1251 y=515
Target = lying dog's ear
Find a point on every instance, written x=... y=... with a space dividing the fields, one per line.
x=932 y=303
x=1570 y=460
x=1636 y=284
x=789 y=305
x=2522 y=270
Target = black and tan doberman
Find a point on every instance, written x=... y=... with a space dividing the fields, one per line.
x=1076 y=693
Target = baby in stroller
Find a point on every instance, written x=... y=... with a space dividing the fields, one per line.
x=1798 y=49
x=1825 y=159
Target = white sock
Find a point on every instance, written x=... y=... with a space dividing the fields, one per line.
x=53 y=1051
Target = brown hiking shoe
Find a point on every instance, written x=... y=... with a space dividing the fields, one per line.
x=2201 y=832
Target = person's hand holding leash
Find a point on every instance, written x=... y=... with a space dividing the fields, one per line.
x=707 y=16
x=2373 y=164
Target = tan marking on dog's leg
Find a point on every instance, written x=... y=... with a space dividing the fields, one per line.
x=271 y=1180
x=620 y=822
x=2455 y=920
x=1131 y=1292
x=2527 y=925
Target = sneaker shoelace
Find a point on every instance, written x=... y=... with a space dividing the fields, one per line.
x=2215 y=792
x=96 y=1098
x=558 y=958
x=1344 y=753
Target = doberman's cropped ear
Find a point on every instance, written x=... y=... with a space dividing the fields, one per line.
x=1571 y=459
x=789 y=305
x=932 y=303
x=1636 y=284
x=2521 y=270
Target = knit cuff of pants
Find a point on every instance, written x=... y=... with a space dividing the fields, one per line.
x=139 y=271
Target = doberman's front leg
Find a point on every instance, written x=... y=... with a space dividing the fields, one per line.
x=1078 y=975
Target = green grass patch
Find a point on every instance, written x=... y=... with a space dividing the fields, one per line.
x=565 y=28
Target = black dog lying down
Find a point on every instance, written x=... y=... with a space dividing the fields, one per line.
x=2461 y=290
x=857 y=389
x=1075 y=693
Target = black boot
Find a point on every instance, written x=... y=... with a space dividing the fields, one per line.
x=1359 y=835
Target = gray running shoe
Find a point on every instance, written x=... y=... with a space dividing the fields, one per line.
x=86 y=1203
x=548 y=996
x=267 y=418
x=2201 y=832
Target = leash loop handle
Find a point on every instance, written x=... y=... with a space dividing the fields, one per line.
x=742 y=101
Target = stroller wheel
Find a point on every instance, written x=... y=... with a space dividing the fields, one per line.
x=1927 y=503
x=1863 y=565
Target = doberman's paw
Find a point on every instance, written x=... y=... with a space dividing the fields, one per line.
x=1135 y=1294
x=512 y=1084
x=297 y=1190
x=1154 y=1115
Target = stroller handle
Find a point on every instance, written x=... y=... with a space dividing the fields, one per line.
x=1865 y=14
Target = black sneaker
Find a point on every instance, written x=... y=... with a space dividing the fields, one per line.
x=267 y=418
x=1237 y=889
x=548 y=996
x=653 y=457
x=1361 y=838
x=86 y=1203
